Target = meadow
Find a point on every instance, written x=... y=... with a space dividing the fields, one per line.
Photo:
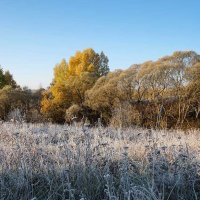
x=47 y=161
x=99 y=100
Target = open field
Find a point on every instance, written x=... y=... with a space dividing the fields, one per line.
x=45 y=161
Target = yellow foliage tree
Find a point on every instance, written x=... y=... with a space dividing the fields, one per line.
x=71 y=81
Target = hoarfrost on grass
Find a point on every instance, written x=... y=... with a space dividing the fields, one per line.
x=45 y=161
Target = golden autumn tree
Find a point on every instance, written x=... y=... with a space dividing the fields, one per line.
x=71 y=80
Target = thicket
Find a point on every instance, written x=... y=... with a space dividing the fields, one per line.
x=16 y=103
x=163 y=93
x=158 y=94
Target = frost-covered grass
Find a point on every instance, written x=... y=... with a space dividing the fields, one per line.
x=44 y=161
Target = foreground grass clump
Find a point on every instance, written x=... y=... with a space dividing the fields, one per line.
x=70 y=162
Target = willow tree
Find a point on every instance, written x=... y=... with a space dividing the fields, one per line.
x=193 y=88
x=177 y=66
x=113 y=96
x=71 y=80
x=159 y=93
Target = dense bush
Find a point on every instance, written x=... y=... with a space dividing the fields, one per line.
x=155 y=94
x=159 y=94
x=162 y=94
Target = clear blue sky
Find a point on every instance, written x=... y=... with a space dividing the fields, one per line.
x=37 y=34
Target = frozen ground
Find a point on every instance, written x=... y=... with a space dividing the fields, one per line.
x=45 y=161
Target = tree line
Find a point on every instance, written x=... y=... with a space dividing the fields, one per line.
x=156 y=94
x=16 y=103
